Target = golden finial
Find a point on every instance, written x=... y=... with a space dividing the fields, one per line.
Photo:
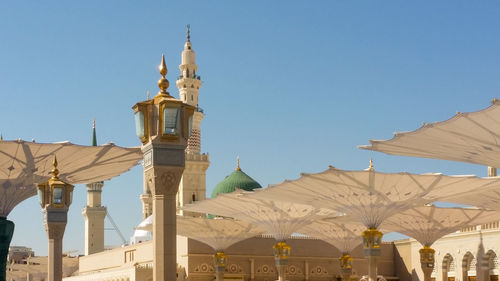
x=188 y=29
x=163 y=82
x=55 y=171
x=370 y=168
x=238 y=163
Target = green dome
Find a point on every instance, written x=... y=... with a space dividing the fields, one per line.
x=237 y=180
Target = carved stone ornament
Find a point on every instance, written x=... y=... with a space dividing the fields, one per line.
x=293 y=270
x=204 y=268
x=168 y=179
x=234 y=268
x=319 y=271
x=265 y=269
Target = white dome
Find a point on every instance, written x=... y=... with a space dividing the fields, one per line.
x=143 y=231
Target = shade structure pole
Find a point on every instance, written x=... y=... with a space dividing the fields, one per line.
x=220 y=260
x=372 y=239
x=55 y=220
x=281 y=254
x=164 y=183
x=346 y=266
x=6 y=232
x=427 y=261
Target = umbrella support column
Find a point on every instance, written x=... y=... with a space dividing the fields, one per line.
x=164 y=182
x=220 y=260
x=281 y=254
x=6 y=232
x=372 y=268
x=427 y=261
x=372 y=239
x=346 y=266
x=55 y=223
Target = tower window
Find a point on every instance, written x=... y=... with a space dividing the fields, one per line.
x=193 y=197
x=191 y=97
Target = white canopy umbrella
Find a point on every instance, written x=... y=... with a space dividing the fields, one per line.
x=429 y=223
x=343 y=235
x=218 y=233
x=280 y=219
x=371 y=197
x=23 y=164
x=466 y=137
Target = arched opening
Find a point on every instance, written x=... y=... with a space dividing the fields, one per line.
x=492 y=259
x=469 y=267
x=448 y=268
x=193 y=197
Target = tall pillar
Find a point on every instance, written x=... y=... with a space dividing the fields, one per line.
x=55 y=220
x=6 y=232
x=220 y=260
x=346 y=266
x=281 y=254
x=55 y=199
x=372 y=239
x=427 y=261
x=163 y=126
x=193 y=183
x=94 y=214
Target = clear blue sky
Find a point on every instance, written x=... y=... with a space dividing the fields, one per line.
x=289 y=86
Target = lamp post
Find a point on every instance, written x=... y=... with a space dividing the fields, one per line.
x=372 y=239
x=220 y=260
x=346 y=266
x=427 y=261
x=55 y=198
x=281 y=254
x=163 y=124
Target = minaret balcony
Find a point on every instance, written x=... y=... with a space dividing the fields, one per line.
x=197 y=77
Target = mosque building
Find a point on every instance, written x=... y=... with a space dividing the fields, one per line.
x=457 y=255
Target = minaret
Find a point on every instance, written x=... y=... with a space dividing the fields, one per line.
x=94 y=213
x=193 y=182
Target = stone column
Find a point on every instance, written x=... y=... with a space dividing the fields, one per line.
x=346 y=266
x=427 y=261
x=6 y=232
x=164 y=183
x=372 y=239
x=252 y=269
x=372 y=267
x=55 y=220
x=281 y=254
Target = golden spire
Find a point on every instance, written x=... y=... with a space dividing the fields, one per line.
x=55 y=171
x=163 y=82
x=238 y=163
x=370 y=168
x=188 y=29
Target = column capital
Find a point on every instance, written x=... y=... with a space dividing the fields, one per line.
x=163 y=180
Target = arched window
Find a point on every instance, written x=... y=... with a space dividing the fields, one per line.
x=193 y=197
x=448 y=267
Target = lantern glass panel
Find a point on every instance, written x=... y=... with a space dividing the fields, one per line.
x=139 y=124
x=171 y=121
x=57 y=195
